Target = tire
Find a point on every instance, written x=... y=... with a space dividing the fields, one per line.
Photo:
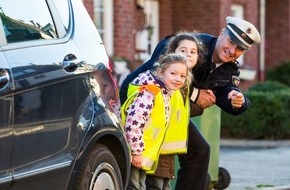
x=100 y=171
x=224 y=179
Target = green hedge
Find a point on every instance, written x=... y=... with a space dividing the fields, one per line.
x=280 y=73
x=268 y=86
x=267 y=118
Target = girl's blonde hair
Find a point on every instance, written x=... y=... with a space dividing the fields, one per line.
x=165 y=60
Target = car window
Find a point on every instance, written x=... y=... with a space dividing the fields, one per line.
x=33 y=22
x=64 y=12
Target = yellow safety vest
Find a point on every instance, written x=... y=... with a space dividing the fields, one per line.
x=158 y=136
x=155 y=128
x=177 y=133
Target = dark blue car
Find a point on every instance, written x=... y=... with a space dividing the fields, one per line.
x=59 y=107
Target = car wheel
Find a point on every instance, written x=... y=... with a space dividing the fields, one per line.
x=100 y=171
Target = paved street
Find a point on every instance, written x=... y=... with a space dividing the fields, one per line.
x=257 y=167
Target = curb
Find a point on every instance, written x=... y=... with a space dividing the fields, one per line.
x=278 y=188
x=254 y=143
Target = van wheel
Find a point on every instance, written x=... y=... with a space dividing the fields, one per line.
x=100 y=171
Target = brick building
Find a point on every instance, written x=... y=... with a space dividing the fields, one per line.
x=132 y=28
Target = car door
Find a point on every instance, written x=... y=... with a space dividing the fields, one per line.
x=47 y=92
x=6 y=131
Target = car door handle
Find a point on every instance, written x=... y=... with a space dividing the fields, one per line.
x=71 y=63
x=4 y=78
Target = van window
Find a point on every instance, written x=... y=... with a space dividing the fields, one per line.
x=33 y=22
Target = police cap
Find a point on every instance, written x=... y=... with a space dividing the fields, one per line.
x=242 y=32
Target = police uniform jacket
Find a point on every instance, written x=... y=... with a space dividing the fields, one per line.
x=220 y=80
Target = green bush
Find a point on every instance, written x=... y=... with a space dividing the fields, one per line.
x=268 y=86
x=267 y=117
x=280 y=73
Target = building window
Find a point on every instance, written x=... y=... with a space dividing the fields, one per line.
x=148 y=38
x=99 y=16
x=237 y=10
x=103 y=19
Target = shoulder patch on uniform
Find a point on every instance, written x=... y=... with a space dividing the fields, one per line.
x=235 y=80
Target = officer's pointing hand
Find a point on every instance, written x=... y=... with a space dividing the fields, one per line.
x=237 y=99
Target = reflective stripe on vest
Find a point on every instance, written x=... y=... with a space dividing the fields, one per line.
x=176 y=136
x=147 y=164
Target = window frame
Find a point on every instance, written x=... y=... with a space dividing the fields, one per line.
x=237 y=10
x=107 y=32
x=63 y=34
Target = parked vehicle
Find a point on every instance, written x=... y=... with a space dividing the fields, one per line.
x=59 y=125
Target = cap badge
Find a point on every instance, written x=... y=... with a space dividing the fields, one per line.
x=249 y=31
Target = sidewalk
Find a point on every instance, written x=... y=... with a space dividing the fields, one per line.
x=257 y=163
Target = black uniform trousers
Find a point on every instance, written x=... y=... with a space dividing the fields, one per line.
x=192 y=174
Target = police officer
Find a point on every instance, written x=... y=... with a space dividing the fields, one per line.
x=216 y=82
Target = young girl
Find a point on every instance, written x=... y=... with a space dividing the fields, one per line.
x=147 y=111
x=186 y=44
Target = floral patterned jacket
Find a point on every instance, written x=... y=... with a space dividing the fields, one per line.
x=139 y=111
